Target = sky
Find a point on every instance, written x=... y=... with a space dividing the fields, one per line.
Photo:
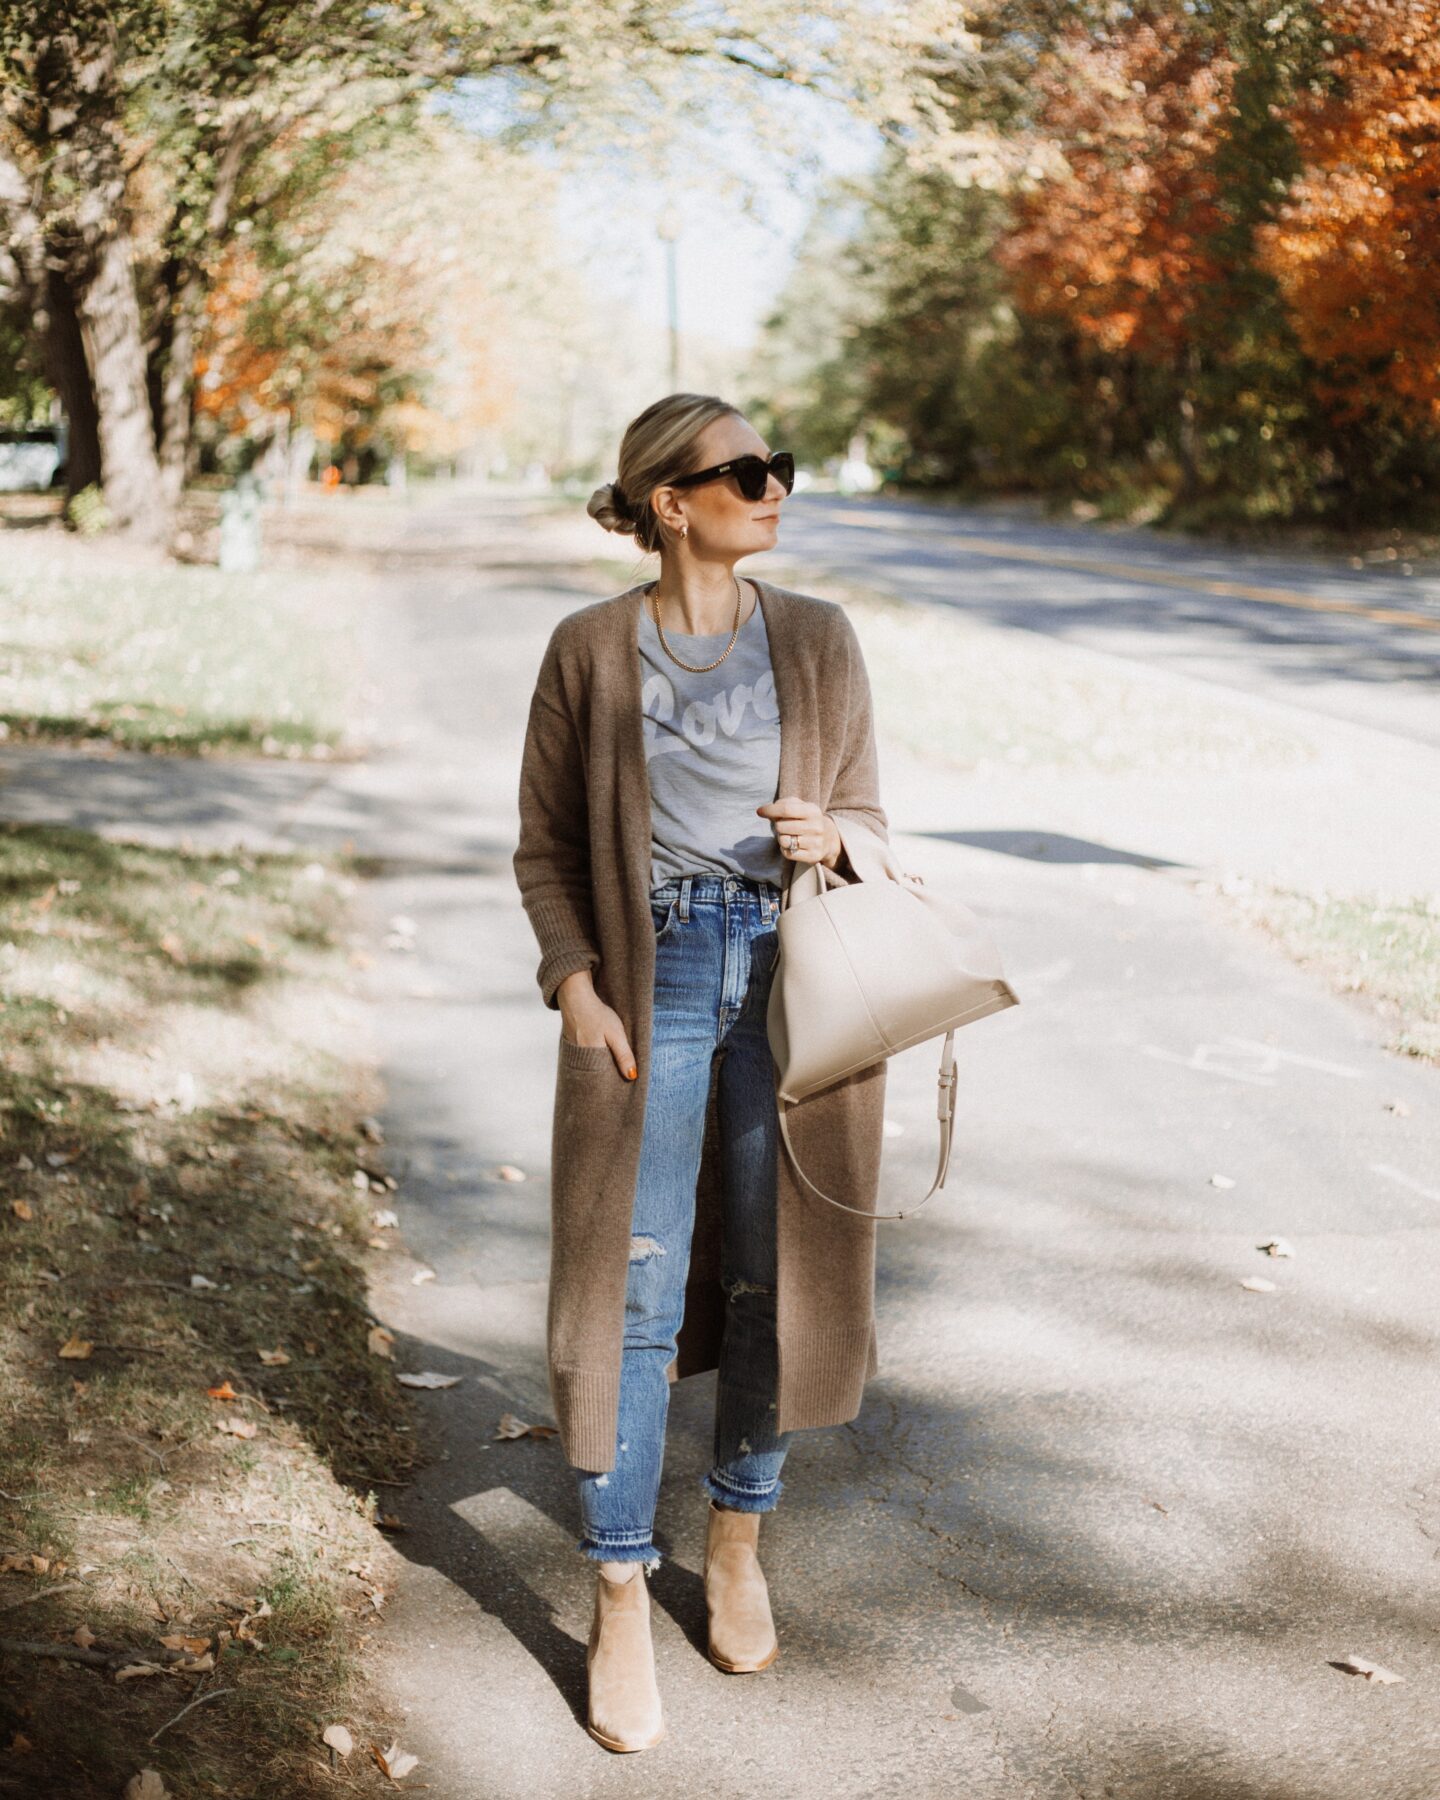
x=729 y=265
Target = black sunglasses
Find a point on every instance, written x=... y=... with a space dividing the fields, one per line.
x=751 y=472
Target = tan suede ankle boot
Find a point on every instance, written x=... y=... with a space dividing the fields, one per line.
x=742 y=1633
x=624 y=1712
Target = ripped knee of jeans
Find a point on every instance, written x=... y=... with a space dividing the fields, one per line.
x=643 y=1249
x=734 y=1289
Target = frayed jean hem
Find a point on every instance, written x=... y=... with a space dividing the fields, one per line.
x=741 y=1499
x=641 y=1553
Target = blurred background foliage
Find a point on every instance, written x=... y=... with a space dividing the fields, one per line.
x=1175 y=260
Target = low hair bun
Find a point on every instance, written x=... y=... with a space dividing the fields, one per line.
x=609 y=507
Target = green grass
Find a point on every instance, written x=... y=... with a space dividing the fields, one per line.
x=180 y=1096
x=178 y=659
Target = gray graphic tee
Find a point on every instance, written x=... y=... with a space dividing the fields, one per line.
x=712 y=750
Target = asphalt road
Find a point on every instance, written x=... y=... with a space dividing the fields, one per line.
x=1361 y=645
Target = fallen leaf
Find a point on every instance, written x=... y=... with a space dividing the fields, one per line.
x=20 y=1745
x=394 y=1762
x=511 y=1427
x=339 y=1739
x=1257 y=1284
x=381 y=1342
x=384 y=1219
x=75 y=1347
x=421 y=1276
x=1222 y=1181
x=378 y=1243
x=147 y=1785
x=390 y=1522
x=223 y=1392
x=428 y=1378
x=201 y=1281
x=196 y=1665
x=274 y=1359
x=508 y=1172
x=241 y=1428
x=22 y=1209
x=83 y=1636
x=192 y=1646
x=1275 y=1247
x=1361 y=1665
x=133 y=1671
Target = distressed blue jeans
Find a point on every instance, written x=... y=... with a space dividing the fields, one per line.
x=715 y=951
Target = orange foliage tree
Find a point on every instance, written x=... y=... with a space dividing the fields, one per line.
x=1356 y=247
x=1120 y=245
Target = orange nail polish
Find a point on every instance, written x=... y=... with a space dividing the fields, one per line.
x=630 y=1074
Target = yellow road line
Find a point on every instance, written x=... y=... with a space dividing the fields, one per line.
x=1237 y=590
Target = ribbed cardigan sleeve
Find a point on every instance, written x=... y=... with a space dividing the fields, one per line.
x=855 y=797
x=552 y=858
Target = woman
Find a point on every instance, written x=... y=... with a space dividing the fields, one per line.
x=687 y=740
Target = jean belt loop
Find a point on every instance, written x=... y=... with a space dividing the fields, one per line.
x=685 y=898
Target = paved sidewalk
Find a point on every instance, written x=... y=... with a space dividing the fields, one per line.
x=1107 y=1518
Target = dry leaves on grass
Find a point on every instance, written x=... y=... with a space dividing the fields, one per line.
x=75 y=1348
x=394 y=1762
x=381 y=1342
x=511 y=1427
x=30 y=1563
x=338 y=1739
x=223 y=1392
x=134 y=1671
x=427 y=1378
x=274 y=1359
x=233 y=1427
x=22 y=1209
x=147 y=1785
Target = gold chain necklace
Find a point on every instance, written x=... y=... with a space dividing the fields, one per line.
x=700 y=668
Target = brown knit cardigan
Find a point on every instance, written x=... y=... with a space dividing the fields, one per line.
x=583 y=868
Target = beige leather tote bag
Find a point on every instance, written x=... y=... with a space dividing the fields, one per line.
x=866 y=969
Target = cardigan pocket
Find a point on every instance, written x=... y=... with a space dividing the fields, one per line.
x=585 y=1058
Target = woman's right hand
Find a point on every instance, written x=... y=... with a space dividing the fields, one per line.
x=588 y=1021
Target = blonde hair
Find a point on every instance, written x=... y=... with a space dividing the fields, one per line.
x=659 y=445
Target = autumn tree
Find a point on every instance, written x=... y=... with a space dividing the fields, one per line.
x=185 y=105
x=1356 y=246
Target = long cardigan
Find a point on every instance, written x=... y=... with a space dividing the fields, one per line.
x=583 y=869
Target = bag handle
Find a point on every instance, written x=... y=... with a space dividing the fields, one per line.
x=944 y=1111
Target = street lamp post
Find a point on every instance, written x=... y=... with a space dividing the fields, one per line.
x=667 y=228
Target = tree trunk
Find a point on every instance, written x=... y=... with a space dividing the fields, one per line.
x=110 y=318
x=62 y=349
x=173 y=424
